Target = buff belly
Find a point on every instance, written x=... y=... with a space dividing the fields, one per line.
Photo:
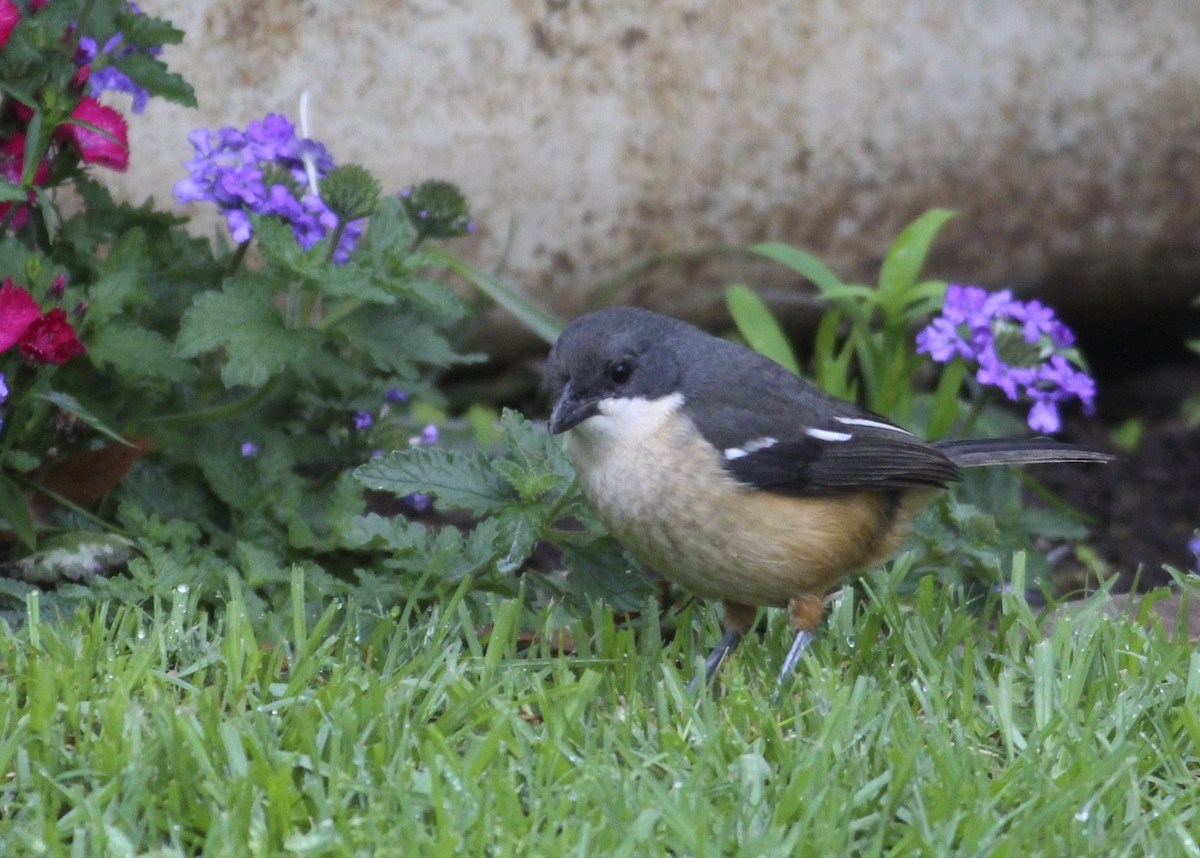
x=667 y=499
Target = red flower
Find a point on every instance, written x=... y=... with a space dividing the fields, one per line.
x=18 y=311
x=110 y=149
x=12 y=159
x=10 y=16
x=51 y=339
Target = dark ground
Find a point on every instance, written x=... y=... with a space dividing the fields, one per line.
x=1146 y=505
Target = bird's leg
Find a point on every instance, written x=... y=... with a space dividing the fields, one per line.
x=805 y=614
x=736 y=620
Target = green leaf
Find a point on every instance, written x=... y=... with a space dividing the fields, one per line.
x=121 y=279
x=396 y=340
x=831 y=365
x=600 y=571
x=906 y=257
x=243 y=321
x=534 y=448
x=802 y=262
x=519 y=533
x=351 y=281
x=21 y=461
x=542 y=323
x=755 y=322
x=393 y=533
x=139 y=355
x=10 y=193
x=458 y=480
x=943 y=410
x=279 y=247
x=151 y=74
x=71 y=405
x=15 y=510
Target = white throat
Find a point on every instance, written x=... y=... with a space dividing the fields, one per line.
x=624 y=421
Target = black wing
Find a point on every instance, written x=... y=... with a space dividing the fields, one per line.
x=777 y=432
x=801 y=441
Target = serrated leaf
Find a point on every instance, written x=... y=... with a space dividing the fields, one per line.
x=519 y=534
x=600 y=571
x=396 y=341
x=906 y=257
x=139 y=354
x=800 y=261
x=535 y=449
x=121 y=278
x=243 y=321
x=758 y=326
x=152 y=75
x=351 y=281
x=277 y=242
x=458 y=480
x=439 y=298
x=387 y=241
x=392 y=533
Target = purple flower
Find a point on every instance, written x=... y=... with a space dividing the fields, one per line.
x=430 y=434
x=363 y=420
x=396 y=395
x=3 y=387
x=104 y=75
x=1020 y=347
x=231 y=168
x=249 y=448
x=419 y=502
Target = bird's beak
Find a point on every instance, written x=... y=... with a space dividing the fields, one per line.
x=569 y=412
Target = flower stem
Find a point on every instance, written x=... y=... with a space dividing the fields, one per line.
x=221 y=412
x=235 y=261
x=977 y=404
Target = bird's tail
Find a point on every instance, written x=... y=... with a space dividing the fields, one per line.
x=1026 y=451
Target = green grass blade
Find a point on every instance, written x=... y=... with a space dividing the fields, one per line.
x=544 y=324
x=758 y=326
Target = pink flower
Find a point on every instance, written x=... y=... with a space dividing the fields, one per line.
x=108 y=149
x=10 y=16
x=51 y=339
x=18 y=311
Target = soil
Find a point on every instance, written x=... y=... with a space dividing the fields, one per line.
x=1146 y=505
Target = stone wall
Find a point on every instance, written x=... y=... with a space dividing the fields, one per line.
x=590 y=134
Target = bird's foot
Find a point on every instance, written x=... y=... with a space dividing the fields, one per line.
x=727 y=644
x=799 y=647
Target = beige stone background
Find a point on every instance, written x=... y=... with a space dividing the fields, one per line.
x=591 y=135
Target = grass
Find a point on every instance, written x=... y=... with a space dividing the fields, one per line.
x=913 y=729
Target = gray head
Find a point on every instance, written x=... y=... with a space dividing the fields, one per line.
x=617 y=352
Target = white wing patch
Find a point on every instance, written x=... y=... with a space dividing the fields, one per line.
x=826 y=435
x=749 y=447
x=875 y=424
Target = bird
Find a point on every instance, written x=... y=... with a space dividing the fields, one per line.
x=735 y=478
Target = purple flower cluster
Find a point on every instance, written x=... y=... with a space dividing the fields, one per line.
x=248 y=172
x=1021 y=347
x=108 y=76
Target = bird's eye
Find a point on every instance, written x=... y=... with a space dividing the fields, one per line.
x=620 y=371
